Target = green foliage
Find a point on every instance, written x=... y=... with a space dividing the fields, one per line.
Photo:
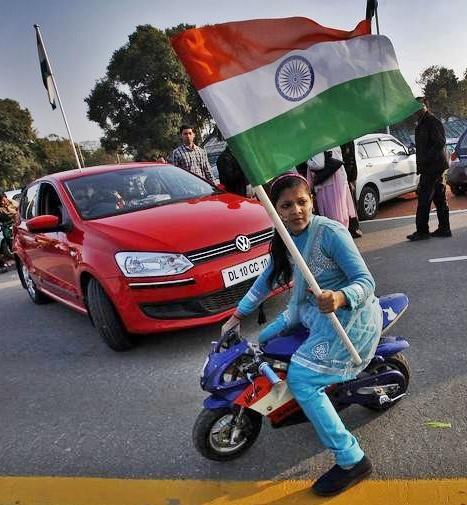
x=145 y=96
x=441 y=86
x=54 y=154
x=99 y=157
x=16 y=167
x=17 y=162
x=23 y=156
x=15 y=123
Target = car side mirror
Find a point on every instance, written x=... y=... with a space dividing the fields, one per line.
x=411 y=149
x=46 y=224
x=221 y=187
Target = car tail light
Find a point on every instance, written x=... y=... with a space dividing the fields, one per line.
x=454 y=156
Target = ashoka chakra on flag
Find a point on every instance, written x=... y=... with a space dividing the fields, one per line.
x=294 y=78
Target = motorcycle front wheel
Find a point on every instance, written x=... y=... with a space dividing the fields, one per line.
x=212 y=433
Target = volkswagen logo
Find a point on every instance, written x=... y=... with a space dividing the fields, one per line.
x=243 y=243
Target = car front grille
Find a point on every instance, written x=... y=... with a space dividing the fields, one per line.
x=228 y=247
x=202 y=306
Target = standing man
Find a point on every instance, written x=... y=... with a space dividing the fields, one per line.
x=430 y=141
x=190 y=156
x=7 y=215
x=7 y=209
x=350 y=165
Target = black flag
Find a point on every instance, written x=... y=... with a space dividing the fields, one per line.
x=371 y=6
x=45 y=70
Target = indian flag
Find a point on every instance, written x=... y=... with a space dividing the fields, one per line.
x=282 y=90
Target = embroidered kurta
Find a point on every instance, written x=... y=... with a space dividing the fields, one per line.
x=337 y=265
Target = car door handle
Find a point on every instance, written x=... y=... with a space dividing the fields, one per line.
x=369 y=165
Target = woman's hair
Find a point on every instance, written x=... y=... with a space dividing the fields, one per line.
x=281 y=267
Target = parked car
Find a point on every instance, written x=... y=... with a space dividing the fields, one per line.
x=457 y=173
x=386 y=169
x=142 y=248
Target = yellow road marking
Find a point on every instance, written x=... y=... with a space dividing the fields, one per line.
x=93 y=491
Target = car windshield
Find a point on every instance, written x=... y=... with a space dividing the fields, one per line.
x=131 y=189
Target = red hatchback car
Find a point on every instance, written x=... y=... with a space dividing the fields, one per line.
x=142 y=248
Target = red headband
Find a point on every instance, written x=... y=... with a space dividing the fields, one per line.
x=289 y=174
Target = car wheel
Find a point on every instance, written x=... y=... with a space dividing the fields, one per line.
x=368 y=203
x=30 y=286
x=105 y=318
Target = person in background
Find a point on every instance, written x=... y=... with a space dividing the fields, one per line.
x=329 y=182
x=190 y=156
x=7 y=209
x=430 y=143
x=350 y=166
x=230 y=173
x=348 y=290
x=8 y=212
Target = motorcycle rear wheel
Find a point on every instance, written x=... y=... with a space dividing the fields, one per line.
x=397 y=362
x=212 y=432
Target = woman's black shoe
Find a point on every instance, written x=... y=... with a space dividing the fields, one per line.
x=337 y=479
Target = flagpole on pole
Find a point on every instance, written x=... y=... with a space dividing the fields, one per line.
x=372 y=10
x=300 y=262
x=58 y=98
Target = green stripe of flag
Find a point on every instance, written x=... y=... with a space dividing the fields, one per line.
x=334 y=117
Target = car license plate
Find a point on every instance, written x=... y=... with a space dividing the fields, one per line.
x=244 y=271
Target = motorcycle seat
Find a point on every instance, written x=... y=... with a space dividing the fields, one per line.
x=282 y=348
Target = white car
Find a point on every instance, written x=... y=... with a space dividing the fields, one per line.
x=386 y=169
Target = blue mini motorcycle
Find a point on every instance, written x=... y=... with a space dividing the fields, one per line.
x=248 y=383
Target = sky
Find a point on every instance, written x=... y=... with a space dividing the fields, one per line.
x=81 y=35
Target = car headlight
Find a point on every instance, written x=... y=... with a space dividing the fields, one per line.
x=146 y=264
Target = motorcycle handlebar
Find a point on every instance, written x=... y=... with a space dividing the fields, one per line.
x=268 y=372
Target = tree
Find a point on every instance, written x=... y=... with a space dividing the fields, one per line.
x=18 y=165
x=460 y=97
x=99 y=157
x=439 y=85
x=54 y=154
x=145 y=96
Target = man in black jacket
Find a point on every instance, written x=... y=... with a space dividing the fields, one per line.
x=430 y=142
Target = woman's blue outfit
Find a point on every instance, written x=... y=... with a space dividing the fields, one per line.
x=322 y=359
